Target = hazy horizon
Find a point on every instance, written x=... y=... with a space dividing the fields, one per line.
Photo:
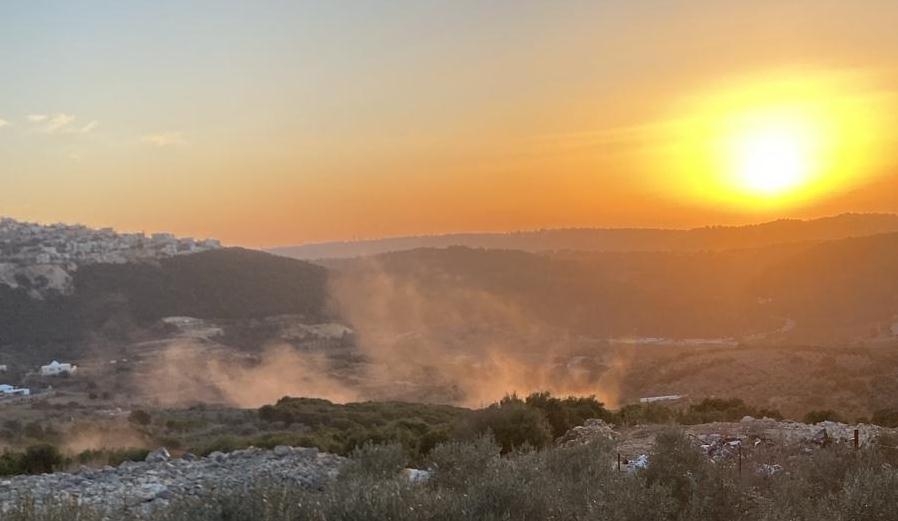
x=275 y=124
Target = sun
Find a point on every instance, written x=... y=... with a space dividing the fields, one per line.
x=773 y=156
x=771 y=144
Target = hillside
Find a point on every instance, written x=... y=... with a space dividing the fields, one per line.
x=826 y=292
x=228 y=283
x=617 y=240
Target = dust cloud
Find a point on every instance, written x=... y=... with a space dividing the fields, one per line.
x=418 y=338
x=186 y=373
x=430 y=338
x=102 y=436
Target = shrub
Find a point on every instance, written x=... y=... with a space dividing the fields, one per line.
x=700 y=489
x=111 y=457
x=822 y=415
x=456 y=465
x=564 y=414
x=513 y=424
x=717 y=410
x=140 y=417
x=643 y=413
x=376 y=461
x=40 y=459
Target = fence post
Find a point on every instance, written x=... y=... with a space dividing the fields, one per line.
x=857 y=439
x=740 y=459
x=618 y=461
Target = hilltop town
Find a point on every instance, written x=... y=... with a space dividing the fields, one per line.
x=41 y=258
x=24 y=244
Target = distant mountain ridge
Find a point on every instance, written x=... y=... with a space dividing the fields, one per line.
x=714 y=238
x=826 y=292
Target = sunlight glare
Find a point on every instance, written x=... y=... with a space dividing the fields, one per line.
x=768 y=144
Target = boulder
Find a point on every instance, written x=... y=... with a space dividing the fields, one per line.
x=282 y=450
x=159 y=455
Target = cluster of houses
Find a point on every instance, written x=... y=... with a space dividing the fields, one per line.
x=24 y=244
x=54 y=368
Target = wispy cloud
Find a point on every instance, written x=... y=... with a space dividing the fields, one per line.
x=165 y=139
x=60 y=123
x=89 y=127
x=3 y=123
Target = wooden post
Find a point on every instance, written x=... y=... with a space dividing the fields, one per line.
x=618 y=461
x=740 y=459
x=857 y=439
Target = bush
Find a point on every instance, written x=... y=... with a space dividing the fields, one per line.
x=378 y=462
x=717 y=410
x=644 y=413
x=513 y=424
x=140 y=417
x=456 y=465
x=700 y=489
x=111 y=457
x=565 y=414
x=40 y=459
x=823 y=415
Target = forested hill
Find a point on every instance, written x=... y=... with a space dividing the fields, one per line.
x=830 y=291
x=229 y=283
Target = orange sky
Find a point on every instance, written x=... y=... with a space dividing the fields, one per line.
x=269 y=124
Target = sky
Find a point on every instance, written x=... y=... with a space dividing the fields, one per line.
x=268 y=123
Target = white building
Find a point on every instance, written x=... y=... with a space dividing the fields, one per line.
x=8 y=390
x=54 y=368
x=3 y=368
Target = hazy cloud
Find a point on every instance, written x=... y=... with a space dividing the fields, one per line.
x=3 y=123
x=165 y=139
x=89 y=127
x=60 y=123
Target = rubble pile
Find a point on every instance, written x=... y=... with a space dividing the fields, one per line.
x=140 y=488
x=722 y=441
x=594 y=429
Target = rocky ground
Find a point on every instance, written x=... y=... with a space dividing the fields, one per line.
x=142 y=488
x=724 y=440
x=146 y=486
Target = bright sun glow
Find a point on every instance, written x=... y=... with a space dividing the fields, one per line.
x=771 y=156
x=772 y=162
x=768 y=144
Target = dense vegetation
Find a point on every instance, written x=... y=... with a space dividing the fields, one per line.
x=43 y=458
x=111 y=299
x=534 y=421
x=472 y=480
x=514 y=422
x=228 y=283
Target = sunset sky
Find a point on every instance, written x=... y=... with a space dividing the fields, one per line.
x=272 y=123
